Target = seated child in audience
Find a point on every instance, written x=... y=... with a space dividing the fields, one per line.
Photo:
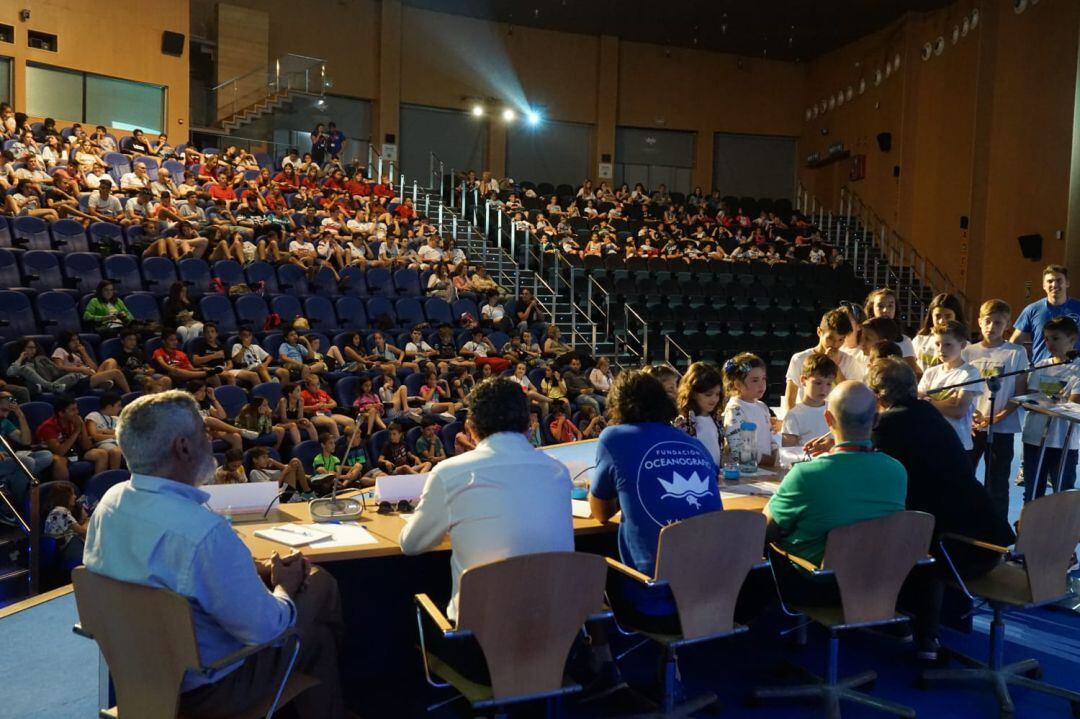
x=958 y=405
x=429 y=445
x=463 y=442
x=396 y=457
x=394 y=396
x=481 y=352
x=1059 y=379
x=536 y=437
x=64 y=434
x=834 y=328
x=806 y=420
x=325 y=464
x=745 y=384
x=265 y=468
x=435 y=394
x=385 y=355
x=101 y=426
x=257 y=416
x=357 y=470
x=592 y=423
x=250 y=357
x=700 y=395
x=993 y=356
x=521 y=378
x=133 y=363
x=321 y=406
x=291 y=414
x=232 y=472
x=215 y=417
x=561 y=428
x=65 y=521
x=369 y=408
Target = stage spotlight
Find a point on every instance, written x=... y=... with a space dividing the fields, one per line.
x=478 y=110
x=508 y=115
x=533 y=117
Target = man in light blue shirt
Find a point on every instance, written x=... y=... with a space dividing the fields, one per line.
x=154 y=530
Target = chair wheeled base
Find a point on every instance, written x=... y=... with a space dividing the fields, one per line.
x=1025 y=673
x=831 y=689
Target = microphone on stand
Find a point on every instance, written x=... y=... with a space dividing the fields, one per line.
x=332 y=509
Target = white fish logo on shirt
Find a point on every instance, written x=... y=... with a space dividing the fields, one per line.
x=690 y=489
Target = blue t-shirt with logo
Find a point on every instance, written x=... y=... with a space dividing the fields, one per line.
x=1037 y=314
x=660 y=475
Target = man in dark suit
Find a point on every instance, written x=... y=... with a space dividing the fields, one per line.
x=941 y=482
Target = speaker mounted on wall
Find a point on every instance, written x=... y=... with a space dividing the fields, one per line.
x=1031 y=246
x=172 y=43
x=884 y=141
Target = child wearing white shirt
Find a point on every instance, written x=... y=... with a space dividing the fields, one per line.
x=1059 y=379
x=744 y=381
x=834 y=328
x=958 y=404
x=993 y=356
x=806 y=420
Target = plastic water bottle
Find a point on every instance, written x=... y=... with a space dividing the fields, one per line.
x=731 y=468
x=228 y=514
x=748 y=452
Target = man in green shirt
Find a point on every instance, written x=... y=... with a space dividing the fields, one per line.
x=850 y=484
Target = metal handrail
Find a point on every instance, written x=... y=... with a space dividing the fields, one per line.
x=308 y=76
x=591 y=303
x=670 y=344
x=642 y=341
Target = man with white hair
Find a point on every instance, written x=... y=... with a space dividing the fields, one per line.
x=154 y=530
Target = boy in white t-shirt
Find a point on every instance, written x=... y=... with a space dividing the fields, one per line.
x=958 y=404
x=806 y=420
x=993 y=356
x=1059 y=379
x=834 y=328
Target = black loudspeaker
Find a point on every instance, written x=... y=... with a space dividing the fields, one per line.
x=884 y=141
x=963 y=222
x=605 y=157
x=390 y=138
x=1031 y=246
x=172 y=43
x=896 y=170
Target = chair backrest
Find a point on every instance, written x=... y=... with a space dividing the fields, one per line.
x=729 y=543
x=1049 y=531
x=872 y=559
x=102 y=482
x=147 y=674
x=526 y=611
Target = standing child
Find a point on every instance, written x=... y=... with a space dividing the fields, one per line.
x=994 y=356
x=745 y=384
x=944 y=307
x=700 y=395
x=1058 y=379
x=958 y=405
x=396 y=457
x=833 y=330
x=806 y=420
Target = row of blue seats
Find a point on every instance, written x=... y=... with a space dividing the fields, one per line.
x=56 y=311
x=82 y=271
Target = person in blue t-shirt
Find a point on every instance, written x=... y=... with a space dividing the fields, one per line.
x=1029 y=325
x=657 y=475
x=335 y=140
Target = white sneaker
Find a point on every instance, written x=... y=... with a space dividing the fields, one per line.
x=249 y=434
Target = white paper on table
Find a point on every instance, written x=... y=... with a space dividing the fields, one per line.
x=345 y=534
x=580 y=508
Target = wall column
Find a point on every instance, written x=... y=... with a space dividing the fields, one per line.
x=607 y=103
x=1072 y=226
x=387 y=120
x=495 y=157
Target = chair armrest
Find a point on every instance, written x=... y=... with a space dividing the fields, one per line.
x=424 y=602
x=248 y=651
x=976 y=543
x=634 y=574
x=78 y=629
x=799 y=561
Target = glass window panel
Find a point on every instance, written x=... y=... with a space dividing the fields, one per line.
x=54 y=93
x=123 y=104
x=5 y=79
